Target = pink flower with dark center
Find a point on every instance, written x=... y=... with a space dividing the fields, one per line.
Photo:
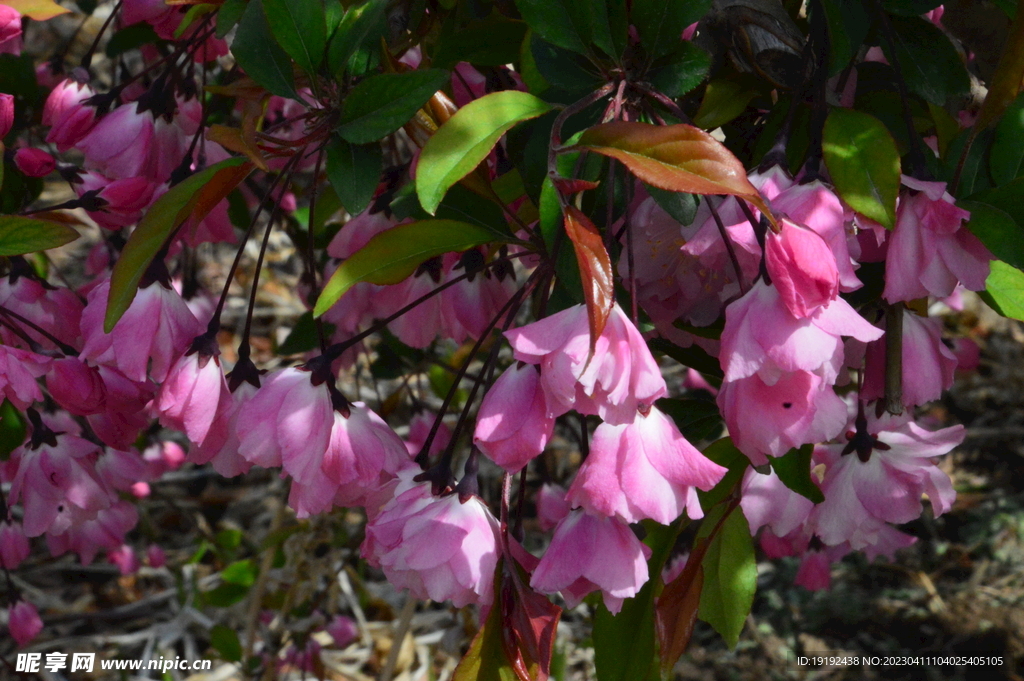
x=589 y=552
x=645 y=469
x=513 y=425
x=618 y=378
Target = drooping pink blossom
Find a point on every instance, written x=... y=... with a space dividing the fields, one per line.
x=23 y=620
x=766 y=501
x=122 y=201
x=590 y=552
x=551 y=505
x=119 y=146
x=10 y=30
x=419 y=429
x=6 y=113
x=195 y=393
x=645 y=469
x=104 y=532
x=220 y=449
x=928 y=365
x=65 y=111
x=14 y=546
x=513 y=424
x=619 y=377
x=19 y=370
x=34 y=162
x=76 y=386
x=802 y=268
x=437 y=547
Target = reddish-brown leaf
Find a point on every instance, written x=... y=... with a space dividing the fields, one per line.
x=676 y=609
x=530 y=621
x=213 y=192
x=573 y=186
x=678 y=158
x=595 y=270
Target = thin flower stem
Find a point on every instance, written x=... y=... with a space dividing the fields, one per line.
x=64 y=347
x=87 y=59
x=310 y=254
x=728 y=245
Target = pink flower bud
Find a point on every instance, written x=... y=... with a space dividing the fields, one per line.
x=14 y=546
x=24 y=622
x=69 y=118
x=125 y=559
x=513 y=425
x=155 y=556
x=6 y=113
x=76 y=386
x=803 y=269
x=10 y=30
x=34 y=162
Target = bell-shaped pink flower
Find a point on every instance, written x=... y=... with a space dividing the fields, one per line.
x=6 y=113
x=104 y=532
x=645 y=469
x=23 y=619
x=770 y=419
x=766 y=501
x=34 y=162
x=589 y=552
x=419 y=430
x=14 y=546
x=76 y=386
x=120 y=144
x=56 y=310
x=125 y=559
x=10 y=30
x=437 y=547
x=19 y=370
x=123 y=415
x=123 y=469
x=220 y=449
x=928 y=365
x=620 y=377
x=930 y=250
x=513 y=424
x=156 y=328
x=194 y=394
x=551 y=505
x=123 y=201
x=802 y=268
x=69 y=118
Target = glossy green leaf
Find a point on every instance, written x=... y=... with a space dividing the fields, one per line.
x=568 y=24
x=486 y=659
x=494 y=40
x=682 y=71
x=624 y=644
x=730 y=578
x=724 y=100
x=565 y=73
x=694 y=356
x=194 y=14
x=848 y=24
x=225 y=642
x=1005 y=288
x=303 y=336
x=256 y=51
x=862 y=159
x=228 y=15
x=300 y=28
x=357 y=37
x=459 y=204
x=997 y=230
x=383 y=103
x=910 y=8
x=131 y=37
x=724 y=453
x=661 y=22
x=193 y=198
x=467 y=138
x=1007 y=151
x=929 y=62
x=241 y=572
x=21 y=235
x=354 y=172
x=794 y=470
x=682 y=207
x=13 y=429
x=696 y=419
x=393 y=255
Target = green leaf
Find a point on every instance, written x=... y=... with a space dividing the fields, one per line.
x=661 y=22
x=13 y=429
x=394 y=254
x=568 y=24
x=730 y=578
x=357 y=36
x=696 y=419
x=848 y=24
x=303 y=336
x=19 y=235
x=241 y=572
x=724 y=453
x=694 y=356
x=486 y=659
x=228 y=15
x=467 y=138
x=563 y=71
x=997 y=230
x=194 y=14
x=682 y=207
x=1008 y=144
x=910 y=8
x=494 y=40
x=862 y=159
x=794 y=470
x=929 y=62
x=458 y=204
x=225 y=641
x=624 y=644
x=724 y=100
x=130 y=37
x=256 y=51
x=1005 y=287
x=354 y=172
x=194 y=197
x=300 y=28
x=383 y=103
x=683 y=70
x=225 y=595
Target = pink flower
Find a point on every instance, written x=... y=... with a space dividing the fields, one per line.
x=6 y=113
x=124 y=558
x=14 y=546
x=122 y=201
x=513 y=424
x=928 y=365
x=155 y=556
x=220 y=448
x=802 y=268
x=620 y=377
x=437 y=547
x=766 y=500
x=157 y=328
x=10 y=30
x=770 y=419
x=34 y=162
x=468 y=307
x=122 y=417
x=589 y=552
x=194 y=394
x=929 y=250
x=419 y=430
x=23 y=618
x=19 y=370
x=120 y=144
x=69 y=118
x=343 y=630
x=880 y=475
x=76 y=386
x=645 y=469
x=551 y=505
x=106 y=531
x=122 y=469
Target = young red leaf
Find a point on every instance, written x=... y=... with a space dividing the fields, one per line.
x=573 y=186
x=595 y=270
x=678 y=158
x=531 y=621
